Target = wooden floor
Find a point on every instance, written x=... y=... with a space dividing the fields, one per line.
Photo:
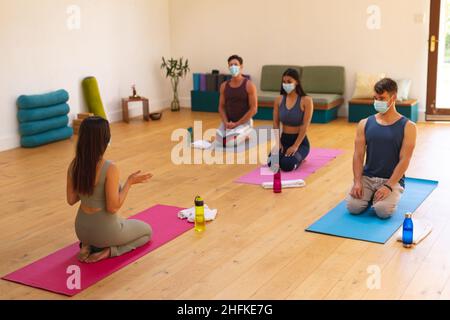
x=257 y=247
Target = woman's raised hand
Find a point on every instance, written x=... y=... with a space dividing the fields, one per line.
x=137 y=177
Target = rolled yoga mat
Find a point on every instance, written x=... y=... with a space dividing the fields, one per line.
x=220 y=79
x=43 y=100
x=202 y=82
x=26 y=115
x=196 y=81
x=46 y=137
x=316 y=159
x=92 y=97
x=367 y=226
x=211 y=82
x=54 y=272
x=36 y=127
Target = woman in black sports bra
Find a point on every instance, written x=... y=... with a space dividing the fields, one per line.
x=294 y=110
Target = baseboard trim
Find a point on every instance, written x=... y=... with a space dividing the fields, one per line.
x=9 y=142
x=437 y=117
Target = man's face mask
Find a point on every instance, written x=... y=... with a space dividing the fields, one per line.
x=382 y=106
x=235 y=70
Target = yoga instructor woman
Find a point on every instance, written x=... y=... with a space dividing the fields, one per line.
x=95 y=181
x=294 y=110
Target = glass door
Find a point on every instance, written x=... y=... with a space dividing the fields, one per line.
x=438 y=95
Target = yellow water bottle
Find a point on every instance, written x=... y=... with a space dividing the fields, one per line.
x=200 y=224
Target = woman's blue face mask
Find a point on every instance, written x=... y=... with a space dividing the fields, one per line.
x=289 y=87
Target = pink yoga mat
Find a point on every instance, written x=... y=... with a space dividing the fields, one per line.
x=54 y=272
x=317 y=159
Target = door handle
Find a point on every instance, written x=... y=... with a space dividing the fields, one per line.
x=433 y=42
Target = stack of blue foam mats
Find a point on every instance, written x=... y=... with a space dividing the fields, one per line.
x=43 y=118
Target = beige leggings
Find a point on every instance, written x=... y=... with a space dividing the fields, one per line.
x=384 y=209
x=106 y=230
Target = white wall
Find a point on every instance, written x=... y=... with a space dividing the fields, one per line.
x=120 y=42
x=303 y=32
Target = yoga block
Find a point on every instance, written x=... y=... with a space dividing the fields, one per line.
x=25 y=115
x=92 y=97
x=205 y=101
x=76 y=125
x=43 y=100
x=264 y=113
x=84 y=115
x=36 y=127
x=325 y=116
x=46 y=137
x=359 y=109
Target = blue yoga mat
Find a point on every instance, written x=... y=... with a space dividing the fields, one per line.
x=367 y=226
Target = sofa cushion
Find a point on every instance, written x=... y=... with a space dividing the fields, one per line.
x=320 y=100
x=404 y=86
x=46 y=137
x=271 y=76
x=324 y=98
x=26 y=115
x=365 y=83
x=43 y=100
x=324 y=79
x=267 y=96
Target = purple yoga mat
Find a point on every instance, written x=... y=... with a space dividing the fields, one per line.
x=317 y=159
x=56 y=272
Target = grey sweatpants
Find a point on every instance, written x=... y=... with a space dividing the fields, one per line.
x=106 y=230
x=384 y=209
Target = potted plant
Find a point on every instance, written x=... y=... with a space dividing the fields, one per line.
x=175 y=69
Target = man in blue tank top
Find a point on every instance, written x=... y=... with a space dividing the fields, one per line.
x=386 y=141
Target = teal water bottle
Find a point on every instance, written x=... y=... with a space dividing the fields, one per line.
x=200 y=223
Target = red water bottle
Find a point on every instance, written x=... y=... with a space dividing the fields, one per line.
x=277 y=182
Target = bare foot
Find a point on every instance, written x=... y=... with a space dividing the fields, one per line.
x=84 y=253
x=99 y=256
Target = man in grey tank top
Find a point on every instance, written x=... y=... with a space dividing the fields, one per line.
x=386 y=141
x=238 y=104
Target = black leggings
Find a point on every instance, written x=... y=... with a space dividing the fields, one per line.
x=288 y=164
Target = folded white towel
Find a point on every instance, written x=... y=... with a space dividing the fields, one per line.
x=189 y=214
x=286 y=184
x=202 y=144
x=242 y=129
x=421 y=229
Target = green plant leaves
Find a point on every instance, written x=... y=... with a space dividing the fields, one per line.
x=175 y=68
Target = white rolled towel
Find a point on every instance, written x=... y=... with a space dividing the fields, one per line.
x=421 y=229
x=202 y=144
x=299 y=183
x=189 y=214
